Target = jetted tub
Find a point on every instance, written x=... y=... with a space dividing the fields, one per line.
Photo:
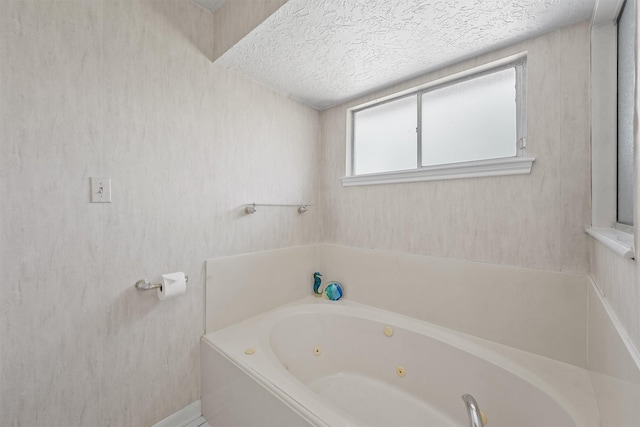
x=326 y=363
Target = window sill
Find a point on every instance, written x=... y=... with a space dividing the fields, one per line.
x=475 y=169
x=616 y=240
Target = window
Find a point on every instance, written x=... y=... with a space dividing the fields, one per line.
x=469 y=124
x=613 y=65
x=471 y=120
x=626 y=102
x=385 y=136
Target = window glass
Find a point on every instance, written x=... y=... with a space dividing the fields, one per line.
x=458 y=120
x=626 y=84
x=471 y=120
x=385 y=137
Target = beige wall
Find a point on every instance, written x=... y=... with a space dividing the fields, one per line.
x=125 y=89
x=534 y=221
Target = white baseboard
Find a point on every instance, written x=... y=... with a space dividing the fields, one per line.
x=183 y=417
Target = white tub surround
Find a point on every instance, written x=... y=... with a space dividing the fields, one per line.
x=614 y=364
x=242 y=286
x=234 y=398
x=336 y=364
x=189 y=416
x=537 y=311
x=618 y=279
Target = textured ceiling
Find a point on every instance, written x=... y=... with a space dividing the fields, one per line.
x=326 y=52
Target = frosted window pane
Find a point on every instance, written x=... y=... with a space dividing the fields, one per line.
x=626 y=79
x=385 y=137
x=472 y=120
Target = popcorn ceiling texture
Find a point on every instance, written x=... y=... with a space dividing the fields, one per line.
x=324 y=53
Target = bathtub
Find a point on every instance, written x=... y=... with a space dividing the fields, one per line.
x=338 y=363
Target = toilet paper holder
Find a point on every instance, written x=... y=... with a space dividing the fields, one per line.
x=145 y=285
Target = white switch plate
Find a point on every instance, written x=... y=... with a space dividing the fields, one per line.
x=100 y=190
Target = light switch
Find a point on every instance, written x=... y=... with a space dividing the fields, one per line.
x=100 y=190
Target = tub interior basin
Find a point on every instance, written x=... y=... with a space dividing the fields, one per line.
x=377 y=403
x=408 y=377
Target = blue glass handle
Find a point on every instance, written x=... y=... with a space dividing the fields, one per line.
x=333 y=291
x=316 y=283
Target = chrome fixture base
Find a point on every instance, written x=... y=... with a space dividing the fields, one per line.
x=476 y=418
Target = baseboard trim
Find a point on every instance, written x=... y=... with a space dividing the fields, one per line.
x=182 y=417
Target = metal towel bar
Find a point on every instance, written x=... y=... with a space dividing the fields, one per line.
x=251 y=207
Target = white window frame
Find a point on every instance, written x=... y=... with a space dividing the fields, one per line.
x=519 y=164
x=604 y=160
